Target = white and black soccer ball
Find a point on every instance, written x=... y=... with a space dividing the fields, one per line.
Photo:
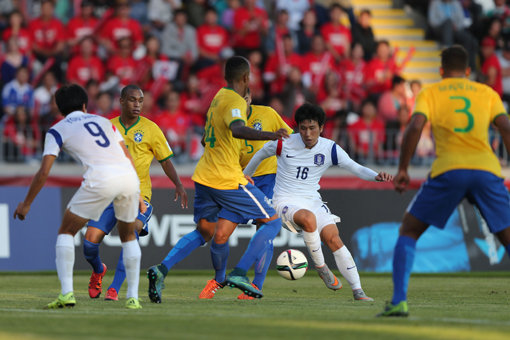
x=291 y=264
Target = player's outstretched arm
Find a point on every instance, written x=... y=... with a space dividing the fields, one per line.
x=35 y=187
x=503 y=124
x=241 y=131
x=268 y=150
x=171 y=173
x=410 y=140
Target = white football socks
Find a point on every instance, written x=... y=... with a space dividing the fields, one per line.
x=313 y=243
x=131 y=257
x=347 y=267
x=64 y=260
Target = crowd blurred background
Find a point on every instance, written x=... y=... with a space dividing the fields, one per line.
x=300 y=50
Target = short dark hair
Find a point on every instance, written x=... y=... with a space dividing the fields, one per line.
x=309 y=111
x=236 y=67
x=127 y=88
x=454 y=58
x=70 y=98
x=396 y=80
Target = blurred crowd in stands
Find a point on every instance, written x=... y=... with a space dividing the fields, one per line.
x=300 y=50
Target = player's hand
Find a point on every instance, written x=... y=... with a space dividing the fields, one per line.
x=383 y=177
x=21 y=211
x=281 y=134
x=249 y=179
x=401 y=181
x=181 y=193
x=141 y=205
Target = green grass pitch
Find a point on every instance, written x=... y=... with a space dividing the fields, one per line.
x=457 y=306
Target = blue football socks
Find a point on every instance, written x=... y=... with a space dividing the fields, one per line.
x=183 y=248
x=262 y=265
x=508 y=249
x=91 y=252
x=403 y=259
x=262 y=238
x=219 y=256
x=120 y=274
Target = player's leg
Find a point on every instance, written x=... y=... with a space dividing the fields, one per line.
x=96 y=231
x=250 y=202
x=344 y=261
x=64 y=249
x=142 y=229
x=219 y=256
x=132 y=255
x=266 y=184
x=307 y=221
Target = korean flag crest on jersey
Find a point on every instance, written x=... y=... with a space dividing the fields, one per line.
x=138 y=136
x=318 y=159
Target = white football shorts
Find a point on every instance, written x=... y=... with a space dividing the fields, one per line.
x=124 y=190
x=287 y=208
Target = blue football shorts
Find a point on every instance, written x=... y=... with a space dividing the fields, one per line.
x=247 y=201
x=265 y=183
x=107 y=221
x=439 y=196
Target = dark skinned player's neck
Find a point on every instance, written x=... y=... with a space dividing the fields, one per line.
x=128 y=121
x=237 y=87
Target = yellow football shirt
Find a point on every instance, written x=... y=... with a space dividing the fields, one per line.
x=144 y=140
x=262 y=118
x=460 y=112
x=219 y=166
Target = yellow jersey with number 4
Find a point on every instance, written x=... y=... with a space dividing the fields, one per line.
x=144 y=140
x=219 y=166
x=460 y=112
x=262 y=118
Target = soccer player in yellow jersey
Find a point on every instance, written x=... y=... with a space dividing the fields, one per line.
x=260 y=118
x=220 y=184
x=145 y=141
x=460 y=112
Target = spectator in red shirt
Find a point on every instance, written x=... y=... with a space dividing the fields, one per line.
x=256 y=82
x=279 y=64
x=155 y=65
x=21 y=137
x=294 y=95
x=86 y=65
x=380 y=70
x=212 y=38
x=192 y=102
x=81 y=26
x=120 y=26
x=491 y=68
x=367 y=133
x=352 y=78
x=392 y=102
x=174 y=123
x=122 y=65
x=338 y=37
x=48 y=37
x=331 y=101
x=250 y=24
x=317 y=63
x=17 y=29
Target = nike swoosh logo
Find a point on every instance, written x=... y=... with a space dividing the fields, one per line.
x=315 y=250
x=289 y=156
x=349 y=268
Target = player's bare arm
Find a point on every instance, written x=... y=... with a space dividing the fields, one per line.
x=409 y=142
x=503 y=124
x=171 y=173
x=35 y=187
x=241 y=131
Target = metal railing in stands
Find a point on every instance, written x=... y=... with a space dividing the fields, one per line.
x=366 y=148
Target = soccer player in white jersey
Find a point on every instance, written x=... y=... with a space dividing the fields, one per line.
x=109 y=176
x=301 y=161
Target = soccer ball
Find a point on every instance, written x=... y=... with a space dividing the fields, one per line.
x=291 y=264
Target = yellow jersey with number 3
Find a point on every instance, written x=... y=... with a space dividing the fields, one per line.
x=144 y=140
x=262 y=118
x=219 y=166
x=460 y=112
